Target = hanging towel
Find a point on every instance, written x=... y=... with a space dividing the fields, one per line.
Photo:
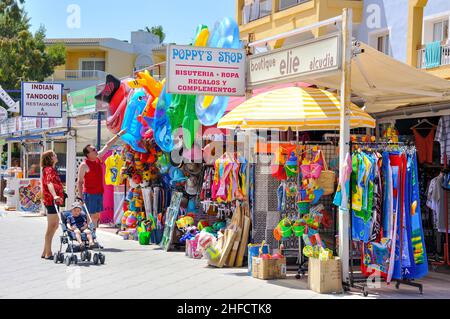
x=433 y=55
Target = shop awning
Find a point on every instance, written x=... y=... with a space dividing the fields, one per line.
x=238 y=100
x=386 y=84
x=293 y=107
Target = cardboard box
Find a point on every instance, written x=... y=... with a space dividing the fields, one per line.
x=268 y=268
x=325 y=277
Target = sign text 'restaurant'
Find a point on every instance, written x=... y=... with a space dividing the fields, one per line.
x=42 y=99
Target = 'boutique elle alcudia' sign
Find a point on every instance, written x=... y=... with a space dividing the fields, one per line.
x=294 y=63
x=42 y=99
x=206 y=71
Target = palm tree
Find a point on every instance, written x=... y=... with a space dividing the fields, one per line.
x=158 y=31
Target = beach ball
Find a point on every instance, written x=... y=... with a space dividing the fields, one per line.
x=131 y=221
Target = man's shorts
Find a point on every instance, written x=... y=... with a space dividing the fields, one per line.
x=94 y=203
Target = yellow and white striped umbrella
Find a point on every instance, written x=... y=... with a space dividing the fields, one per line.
x=305 y=109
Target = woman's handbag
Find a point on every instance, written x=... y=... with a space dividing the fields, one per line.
x=327 y=179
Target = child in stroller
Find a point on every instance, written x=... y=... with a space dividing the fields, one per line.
x=77 y=223
x=77 y=226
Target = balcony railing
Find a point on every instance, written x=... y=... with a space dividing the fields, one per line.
x=286 y=4
x=77 y=75
x=445 y=57
x=256 y=10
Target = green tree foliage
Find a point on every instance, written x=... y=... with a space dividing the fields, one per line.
x=158 y=31
x=24 y=56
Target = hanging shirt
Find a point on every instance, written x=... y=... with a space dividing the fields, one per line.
x=424 y=146
x=443 y=136
x=436 y=202
x=357 y=181
x=114 y=165
x=341 y=197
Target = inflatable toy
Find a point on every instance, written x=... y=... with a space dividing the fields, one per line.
x=161 y=124
x=112 y=84
x=201 y=36
x=202 y=224
x=205 y=240
x=146 y=81
x=212 y=253
x=210 y=109
x=117 y=108
x=130 y=123
x=131 y=221
x=184 y=222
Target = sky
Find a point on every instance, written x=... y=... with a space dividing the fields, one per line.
x=117 y=18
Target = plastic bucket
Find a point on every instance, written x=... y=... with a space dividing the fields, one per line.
x=286 y=231
x=144 y=238
x=303 y=207
x=253 y=251
x=299 y=230
x=291 y=170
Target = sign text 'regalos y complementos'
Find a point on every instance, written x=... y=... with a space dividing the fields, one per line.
x=294 y=62
x=206 y=71
x=42 y=99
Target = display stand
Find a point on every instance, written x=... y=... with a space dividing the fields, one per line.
x=358 y=280
x=302 y=260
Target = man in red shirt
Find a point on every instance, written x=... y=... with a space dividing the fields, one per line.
x=90 y=178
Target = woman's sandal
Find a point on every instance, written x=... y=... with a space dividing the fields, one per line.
x=48 y=258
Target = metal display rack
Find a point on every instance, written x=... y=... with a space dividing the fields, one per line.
x=358 y=280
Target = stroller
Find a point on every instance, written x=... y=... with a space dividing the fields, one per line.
x=68 y=238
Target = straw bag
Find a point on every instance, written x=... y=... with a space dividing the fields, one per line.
x=327 y=179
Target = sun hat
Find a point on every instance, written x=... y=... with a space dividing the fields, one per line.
x=77 y=205
x=193 y=168
x=192 y=185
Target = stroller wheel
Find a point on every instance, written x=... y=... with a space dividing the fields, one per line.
x=75 y=259
x=56 y=258
x=61 y=257
x=102 y=259
x=88 y=256
x=67 y=261
x=83 y=256
x=96 y=259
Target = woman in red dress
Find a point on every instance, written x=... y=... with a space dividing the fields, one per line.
x=53 y=193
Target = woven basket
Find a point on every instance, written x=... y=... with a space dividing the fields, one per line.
x=327 y=179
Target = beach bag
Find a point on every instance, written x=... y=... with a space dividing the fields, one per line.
x=327 y=179
x=312 y=170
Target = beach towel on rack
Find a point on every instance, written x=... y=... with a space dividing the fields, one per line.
x=433 y=55
x=417 y=236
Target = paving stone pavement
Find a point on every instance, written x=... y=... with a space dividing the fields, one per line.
x=134 y=271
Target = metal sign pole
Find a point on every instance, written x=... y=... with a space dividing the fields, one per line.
x=344 y=217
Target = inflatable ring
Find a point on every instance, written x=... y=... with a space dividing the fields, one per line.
x=210 y=109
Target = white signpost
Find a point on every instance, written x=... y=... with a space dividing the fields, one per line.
x=42 y=100
x=205 y=71
x=12 y=105
x=297 y=61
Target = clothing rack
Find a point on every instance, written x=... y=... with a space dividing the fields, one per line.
x=446 y=261
x=358 y=280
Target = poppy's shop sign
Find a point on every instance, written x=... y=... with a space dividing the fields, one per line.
x=42 y=99
x=295 y=62
x=205 y=71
